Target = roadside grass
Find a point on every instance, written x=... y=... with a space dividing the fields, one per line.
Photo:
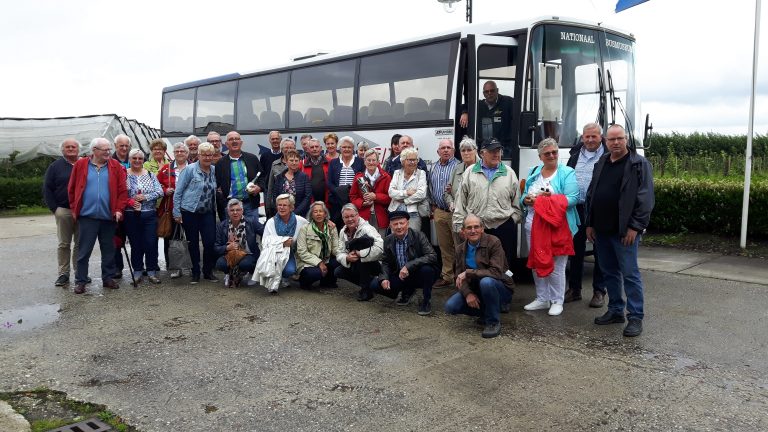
x=25 y=211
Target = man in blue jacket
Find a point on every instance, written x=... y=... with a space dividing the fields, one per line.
x=619 y=204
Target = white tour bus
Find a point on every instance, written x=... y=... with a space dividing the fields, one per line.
x=560 y=73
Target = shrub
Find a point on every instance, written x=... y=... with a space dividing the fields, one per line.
x=709 y=206
x=21 y=192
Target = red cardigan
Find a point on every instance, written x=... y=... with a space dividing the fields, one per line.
x=118 y=192
x=381 y=189
x=550 y=234
x=307 y=168
x=167 y=178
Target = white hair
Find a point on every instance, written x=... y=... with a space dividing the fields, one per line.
x=100 y=140
x=284 y=141
x=182 y=146
x=189 y=139
x=61 y=146
x=348 y=139
x=123 y=137
x=134 y=152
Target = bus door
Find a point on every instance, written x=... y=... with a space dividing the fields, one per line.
x=493 y=60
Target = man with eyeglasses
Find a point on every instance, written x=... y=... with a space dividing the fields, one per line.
x=494 y=114
x=192 y=142
x=215 y=139
x=618 y=208
x=97 y=196
x=396 y=163
x=485 y=289
x=233 y=173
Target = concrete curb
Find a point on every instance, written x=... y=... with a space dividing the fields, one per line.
x=11 y=421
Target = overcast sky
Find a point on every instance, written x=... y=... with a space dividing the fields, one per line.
x=78 y=57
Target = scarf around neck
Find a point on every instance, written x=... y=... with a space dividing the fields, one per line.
x=285 y=229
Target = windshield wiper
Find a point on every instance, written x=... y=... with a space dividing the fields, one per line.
x=627 y=122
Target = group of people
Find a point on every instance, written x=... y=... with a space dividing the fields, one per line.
x=340 y=213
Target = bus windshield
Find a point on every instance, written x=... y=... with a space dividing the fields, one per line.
x=579 y=75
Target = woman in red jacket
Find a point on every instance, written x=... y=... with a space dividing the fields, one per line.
x=167 y=178
x=369 y=192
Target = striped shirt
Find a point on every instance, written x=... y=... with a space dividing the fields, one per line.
x=347 y=174
x=439 y=179
x=401 y=250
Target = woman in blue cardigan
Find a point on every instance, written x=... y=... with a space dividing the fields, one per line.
x=293 y=181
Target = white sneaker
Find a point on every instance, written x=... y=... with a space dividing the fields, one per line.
x=226 y=280
x=285 y=283
x=175 y=274
x=556 y=309
x=536 y=305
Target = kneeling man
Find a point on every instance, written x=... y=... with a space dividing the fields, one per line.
x=484 y=287
x=408 y=263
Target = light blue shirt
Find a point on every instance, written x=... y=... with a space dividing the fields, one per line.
x=584 y=168
x=470 y=259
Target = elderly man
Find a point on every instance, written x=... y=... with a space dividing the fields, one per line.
x=267 y=156
x=485 y=289
x=122 y=147
x=233 y=172
x=439 y=187
x=408 y=263
x=192 y=143
x=494 y=114
x=57 y=199
x=215 y=139
x=584 y=156
x=315 y=166
x=358 y=264
x=405 y=142
x=490 y=190
x=97 y=196
x=277 y=168
x=618 y=206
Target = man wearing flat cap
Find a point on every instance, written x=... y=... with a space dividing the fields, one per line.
x=409 y=262
x=490 y=190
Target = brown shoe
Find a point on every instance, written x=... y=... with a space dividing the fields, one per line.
x=572 y=296
x=441 y=283
x=80 y=288
x=597 y=300
x=111 y=284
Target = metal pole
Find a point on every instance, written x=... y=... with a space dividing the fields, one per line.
x=748 y=156
x=469 y=11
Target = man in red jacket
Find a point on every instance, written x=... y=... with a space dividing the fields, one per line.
x=97 y=197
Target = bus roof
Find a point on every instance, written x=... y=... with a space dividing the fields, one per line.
x=490 y=28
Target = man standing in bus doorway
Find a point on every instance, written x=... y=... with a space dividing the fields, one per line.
x=494 y=114
x=618 y=206
x=490 y=190
x=232 y=174
x=584 y=155
x=439 y=184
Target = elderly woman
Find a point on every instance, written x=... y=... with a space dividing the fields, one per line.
x=141 y=218
x=236 y=243
x=362 y=147
x=370 y=192
x=167 y=177
x=293 y=181
x=468 y=150
x=158 y=157
x=194 y=206
x=341 y=173
x=286 y=224
x=550 y=197
x=331 y=140
x=408 y=188
x=315 y=249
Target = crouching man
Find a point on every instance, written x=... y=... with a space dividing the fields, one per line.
x=358 y=251
x=408 y=263
x=484 y=288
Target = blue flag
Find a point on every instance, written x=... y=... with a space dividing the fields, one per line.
x=626 y=4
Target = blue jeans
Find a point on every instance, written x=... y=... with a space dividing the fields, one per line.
x=246 y=265
x=493 y=294
x=310 y=275
x=619 y=266
x=197 y=225
x=422 y=277
x=89 y=230
x=141 y=228
x=290 y=266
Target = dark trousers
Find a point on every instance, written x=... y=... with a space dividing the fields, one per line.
x=310 y=275
x=197 y=226
x=507 y=234
x=576 y=261
x=89 y=230
x=141 y=228
x=360 y=273
x=120 y=233
x=422 y=277
x=246 y=265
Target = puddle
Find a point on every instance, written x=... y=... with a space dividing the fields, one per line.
x=27 y=318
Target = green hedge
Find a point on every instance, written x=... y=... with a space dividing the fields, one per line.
x=708 y=206
x=699 y=144
x=21 y=192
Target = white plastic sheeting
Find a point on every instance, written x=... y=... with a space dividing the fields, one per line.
x=34 y=137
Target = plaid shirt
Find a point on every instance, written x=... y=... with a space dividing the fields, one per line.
x=401 y=250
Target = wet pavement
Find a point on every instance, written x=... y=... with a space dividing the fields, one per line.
x=196 y=358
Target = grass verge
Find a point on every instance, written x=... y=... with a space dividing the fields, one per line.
x=25 y=211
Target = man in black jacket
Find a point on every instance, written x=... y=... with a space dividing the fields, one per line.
x=233 y=172
x=409 y=262
x=619 y=204
x=583 y=157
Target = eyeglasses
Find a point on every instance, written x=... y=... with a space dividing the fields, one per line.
x=490 y=91
x=215 y=141
x=202 y=155
x=616 y=139
x=550 y=153
x=412 y=160
x=473 y=227
x=102 y=149
x=180 y=151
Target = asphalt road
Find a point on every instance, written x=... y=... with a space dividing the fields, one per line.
x=177 y=357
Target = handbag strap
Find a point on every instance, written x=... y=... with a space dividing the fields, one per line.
x=178 y=229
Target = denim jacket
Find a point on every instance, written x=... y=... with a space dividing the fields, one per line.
x=189 y=188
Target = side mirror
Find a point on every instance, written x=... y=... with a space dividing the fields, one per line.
x=528 y=122
x=647 y=131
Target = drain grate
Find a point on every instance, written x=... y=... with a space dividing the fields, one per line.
x=90 y=425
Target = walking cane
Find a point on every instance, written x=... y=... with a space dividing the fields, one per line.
x=130 y=266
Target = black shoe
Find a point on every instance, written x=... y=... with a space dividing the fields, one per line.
x=62 y=281
x=211 y=277
x=80 y=288
x=364 y=295
x=634 y=327
x=609 y=318
x=117 y=275
x=492 y=330
x=505 y=307
x=425 y=308
x=195 y=279
x=404 y=299
x=89 y=280
x=571 y=296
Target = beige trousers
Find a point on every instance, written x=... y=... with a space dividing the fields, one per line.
x=443 y=229
x=66 y=230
